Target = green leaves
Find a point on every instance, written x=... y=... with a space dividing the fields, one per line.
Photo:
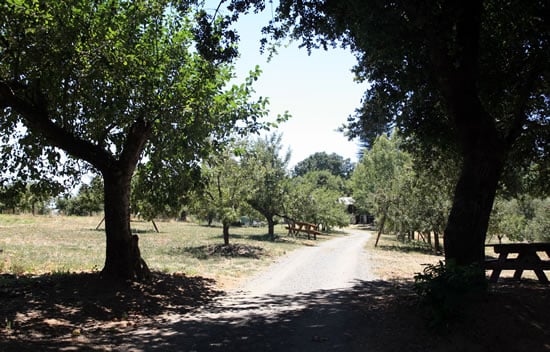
x=99 y=67
x=411 y=194
x=521 y=219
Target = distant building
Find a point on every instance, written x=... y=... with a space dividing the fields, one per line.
x=356 y=216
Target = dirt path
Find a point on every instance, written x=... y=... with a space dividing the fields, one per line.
x=301 y=303
x=333 y=264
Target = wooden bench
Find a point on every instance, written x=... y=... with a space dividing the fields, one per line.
x=527 y=259
x=295 y=227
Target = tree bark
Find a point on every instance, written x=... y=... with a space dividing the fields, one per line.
x=270 y=227
x=226 y=234
x=473 y=200
x=483 y=149
x=123 y=259
x=382 y=223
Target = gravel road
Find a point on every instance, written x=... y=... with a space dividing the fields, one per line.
x=301 y=303
x=332 y=264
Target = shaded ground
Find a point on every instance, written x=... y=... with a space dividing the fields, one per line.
x=77 y=312
x=231 y=250
x=68 y=310
x=179 y=313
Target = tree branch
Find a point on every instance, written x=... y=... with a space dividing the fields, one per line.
x=36 y=118
x=135 y=142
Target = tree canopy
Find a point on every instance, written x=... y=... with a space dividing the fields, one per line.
x=265 y=165
x=334 y=163
x=107 y=84
x=224 y=194
x=459 y=75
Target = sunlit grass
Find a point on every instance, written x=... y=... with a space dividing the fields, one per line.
x=393 y=259
x=42 y=244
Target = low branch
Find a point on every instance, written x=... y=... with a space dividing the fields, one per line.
x=36 y=118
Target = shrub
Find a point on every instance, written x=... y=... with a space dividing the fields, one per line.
x=446 y=288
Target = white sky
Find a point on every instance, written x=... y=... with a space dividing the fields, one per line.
x=317 y=90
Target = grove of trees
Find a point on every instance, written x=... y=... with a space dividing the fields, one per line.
x=467 y=79
x=457 y=107
x=333 y=163
x=252 y=179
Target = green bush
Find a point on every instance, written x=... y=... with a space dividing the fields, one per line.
x=445 y=290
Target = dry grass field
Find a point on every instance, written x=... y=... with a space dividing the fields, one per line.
x=58 y=244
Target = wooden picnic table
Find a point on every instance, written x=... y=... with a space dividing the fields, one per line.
x=527 y=259
x=295 y=227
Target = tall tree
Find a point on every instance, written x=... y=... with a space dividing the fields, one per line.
x=108 y=82
x=379 y=178
x=266 y=177
x=224 y=191
x=334 y=163
x=473 y=74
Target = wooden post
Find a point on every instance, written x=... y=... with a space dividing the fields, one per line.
x=381 y=229
x=101 y=222
x=155 y=226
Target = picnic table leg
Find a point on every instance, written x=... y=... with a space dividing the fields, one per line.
x=541 y=276
x=496 y=272
x=539 y=272
x=519 y=272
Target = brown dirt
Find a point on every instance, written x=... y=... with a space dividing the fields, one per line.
x=81 y=312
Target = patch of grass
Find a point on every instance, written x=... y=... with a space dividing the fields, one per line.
x=57 y=244
x=407 y=247
x=394 y=260
x=16 y=219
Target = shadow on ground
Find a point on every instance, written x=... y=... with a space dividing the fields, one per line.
x=178 y=313
x=44 y=310
x=232 y=250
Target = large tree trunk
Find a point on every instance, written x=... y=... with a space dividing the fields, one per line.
x=473 y=200
x=483 y=148
x=123 y=259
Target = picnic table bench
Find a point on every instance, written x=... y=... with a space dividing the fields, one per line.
x=527 y=259
x=295 y=227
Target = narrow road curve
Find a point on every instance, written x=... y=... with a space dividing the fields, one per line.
x=301 y=303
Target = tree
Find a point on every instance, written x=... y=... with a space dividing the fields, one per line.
x=162 y=192
x=334 y=163
x=224 y=191
x=33 y=196
x=521 y=219
x=111 y=82
x=379 y=178
x=427 y=198
x=10 y=196
x=266 y=176
x=87 y=201
x=314 y=198
x=471 y=75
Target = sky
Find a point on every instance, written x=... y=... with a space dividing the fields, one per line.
x=318 y=90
